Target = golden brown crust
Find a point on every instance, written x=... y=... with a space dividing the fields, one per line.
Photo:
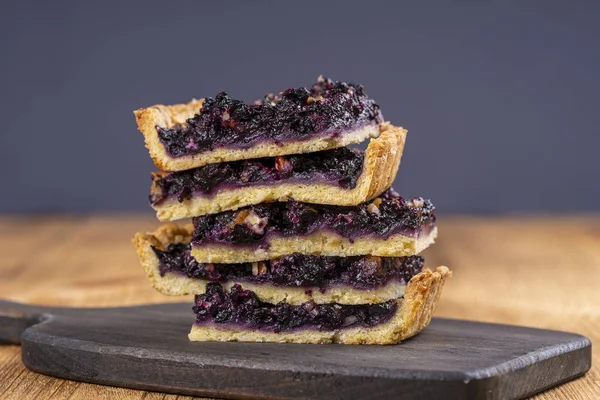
x=173 y=284
x=165 y=235
x=413 y=315
x=321 y=242
x=382 y=160
x=168 y=116
x=381 y=163
x=164 y=116
x=170 y=233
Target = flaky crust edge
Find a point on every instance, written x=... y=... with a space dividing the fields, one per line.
x=165 y=116
x=414 y=314
x=168 y=116
x=176 y=284
x=160 y=238
x=382 y=159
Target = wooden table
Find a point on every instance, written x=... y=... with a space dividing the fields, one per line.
x=535 y=271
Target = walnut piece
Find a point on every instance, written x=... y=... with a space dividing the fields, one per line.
x=255 y=223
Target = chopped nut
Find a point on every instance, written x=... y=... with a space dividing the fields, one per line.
x=272 y=99
x=350 y=91
x=282 y=164
x=241 y=216
x=255 y=223
x=262 y=267
x=226 y=116
x=373 y=209
x=418 y=202
x=259 y=268
x=252 y=218
x=377 y=201
x=313 y=99
x=321 y=79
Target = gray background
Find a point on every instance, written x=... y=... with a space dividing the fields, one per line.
x=501 y=99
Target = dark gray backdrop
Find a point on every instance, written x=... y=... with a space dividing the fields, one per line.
x=501 y=99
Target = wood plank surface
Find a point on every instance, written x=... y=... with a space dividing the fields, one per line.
x=535 y=271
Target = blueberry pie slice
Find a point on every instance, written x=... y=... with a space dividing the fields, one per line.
x=239 y=315
x=294 y=279
x=213 y=130
x=340 y=176
x=388 y=226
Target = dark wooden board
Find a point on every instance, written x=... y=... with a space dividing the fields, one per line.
x=147 y=348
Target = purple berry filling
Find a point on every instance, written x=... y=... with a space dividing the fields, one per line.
x=328 y=108
x=388 y=215
x=340 y=167
x=243 y=308
x=295 y=270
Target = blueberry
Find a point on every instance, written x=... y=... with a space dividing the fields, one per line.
x=394 y=215
x=242 y=307
x=224 y=121
x=342 y=166
x=295 y=270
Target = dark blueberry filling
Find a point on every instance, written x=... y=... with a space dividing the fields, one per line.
x=340 y=167
x=328 y=107
x=296 y=270
x=387 y=215
x=242 y=307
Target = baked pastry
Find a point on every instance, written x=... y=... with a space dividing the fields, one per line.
x=295 y=237
x=329 y=115
x=388 y=226
x=238 y=315
x=340 y=176
x=294 y=279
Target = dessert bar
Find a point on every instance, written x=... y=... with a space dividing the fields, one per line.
x=389 y=226
x=340 y=176
x=238 y=315
x=329 y=115
x=295 y=279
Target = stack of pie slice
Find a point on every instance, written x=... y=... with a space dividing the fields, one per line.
x=294 y=236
